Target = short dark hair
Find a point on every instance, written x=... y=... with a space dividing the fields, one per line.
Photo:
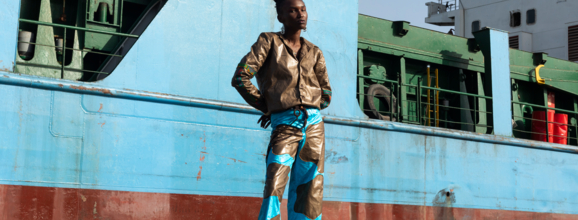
x=278 y=5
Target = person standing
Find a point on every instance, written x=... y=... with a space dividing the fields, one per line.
x=293 y=88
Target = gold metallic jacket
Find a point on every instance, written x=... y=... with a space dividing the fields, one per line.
x=284 y=79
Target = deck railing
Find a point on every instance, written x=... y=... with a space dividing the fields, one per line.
x=65 y=28
x=426 y=113
x=547 y=129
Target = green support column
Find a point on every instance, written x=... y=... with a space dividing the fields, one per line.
x=403 y=97
x=518 y=115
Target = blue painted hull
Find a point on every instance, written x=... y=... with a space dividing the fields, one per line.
x=167 y=121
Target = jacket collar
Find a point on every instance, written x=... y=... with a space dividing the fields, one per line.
x=306 y=46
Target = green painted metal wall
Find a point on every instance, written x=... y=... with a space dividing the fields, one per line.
x=405 y=52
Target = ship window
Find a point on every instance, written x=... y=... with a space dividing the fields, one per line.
x=475 y=26
x=573 y=43
x=514 y=42
x=515 y=19
x=531 y=16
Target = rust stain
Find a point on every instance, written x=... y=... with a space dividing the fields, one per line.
x=204 y=141
x=202 y=158
x=102 y=124
x=100 y=107
x=60 y=85
x=6 y=76
x=104 y=91
x=199 y=174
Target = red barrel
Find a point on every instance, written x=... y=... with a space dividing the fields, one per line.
x=561 y=128
x=539 y=126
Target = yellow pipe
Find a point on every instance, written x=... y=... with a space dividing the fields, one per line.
x=538 y=79
x=427 y=109
x=437 y=101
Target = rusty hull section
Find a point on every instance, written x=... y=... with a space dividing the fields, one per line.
x=48 y=203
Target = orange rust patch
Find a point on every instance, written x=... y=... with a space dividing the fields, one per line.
x=104 y=91
x=199 y=174
x=100 y=107
x=60 y=85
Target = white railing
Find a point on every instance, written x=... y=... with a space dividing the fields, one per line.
x=450 y=5
x=442 y=6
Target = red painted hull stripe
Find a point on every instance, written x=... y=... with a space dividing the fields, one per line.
x=30 y=202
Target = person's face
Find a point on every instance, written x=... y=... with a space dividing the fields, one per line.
x=293 y=15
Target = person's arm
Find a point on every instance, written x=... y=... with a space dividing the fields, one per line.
x=323 y=79
x=246 y=70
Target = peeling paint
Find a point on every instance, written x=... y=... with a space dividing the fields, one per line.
x=94 y=212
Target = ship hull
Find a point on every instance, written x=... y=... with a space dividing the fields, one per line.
x=28 y=202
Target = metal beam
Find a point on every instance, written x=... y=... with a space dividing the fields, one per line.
x=494 y=46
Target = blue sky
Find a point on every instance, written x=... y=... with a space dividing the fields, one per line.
x=413 y=11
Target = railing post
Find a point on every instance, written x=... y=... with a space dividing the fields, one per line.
x=419 y=79
x=398 y=103
x=547 y=110
x=428 y=110
x=575 y=124
x=475 y=113
x=63 y=54
x=437 y=100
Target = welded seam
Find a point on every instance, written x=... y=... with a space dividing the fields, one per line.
x=51 y=122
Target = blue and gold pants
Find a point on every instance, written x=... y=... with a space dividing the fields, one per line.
x=298 y=147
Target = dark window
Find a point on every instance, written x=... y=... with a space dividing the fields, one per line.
x=573 y=43
x=531 y=16
x=515 y=42
x=475 y=26
x=515 y=19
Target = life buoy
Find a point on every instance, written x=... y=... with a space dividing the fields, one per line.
x=382 y=92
